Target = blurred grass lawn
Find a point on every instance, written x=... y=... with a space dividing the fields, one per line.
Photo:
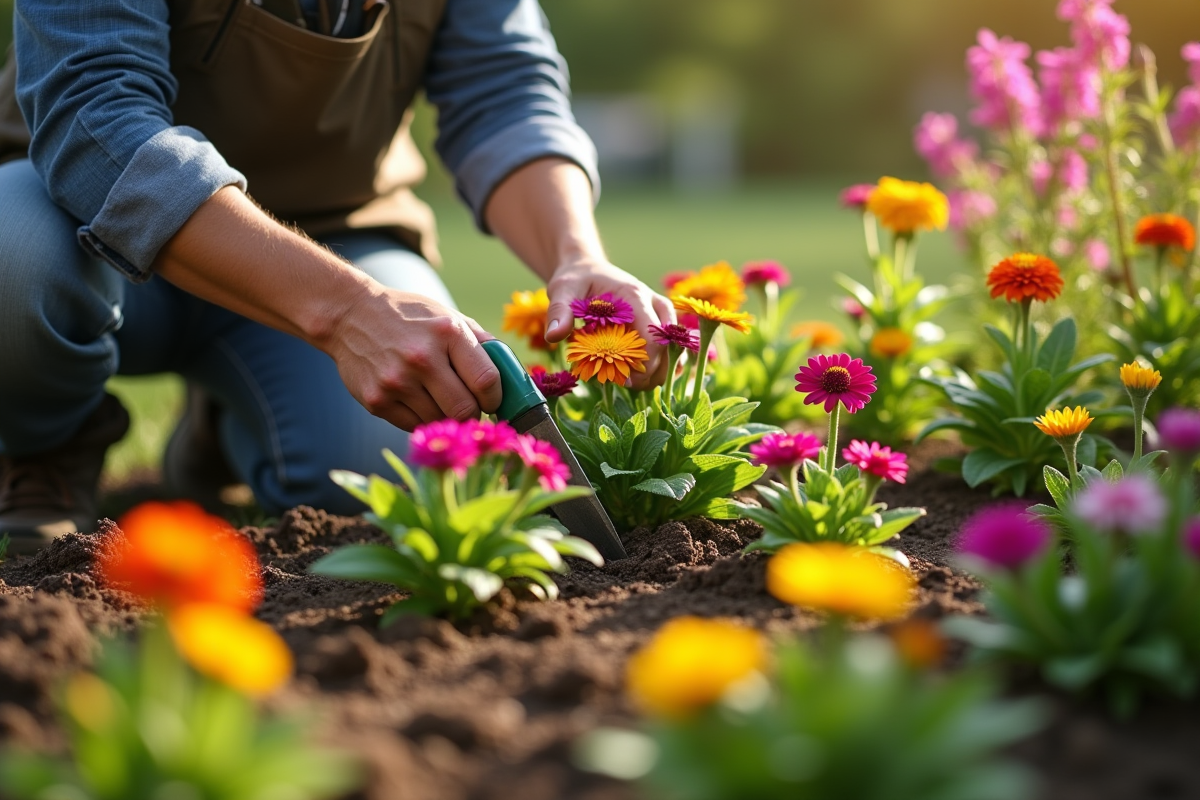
x=649 y=233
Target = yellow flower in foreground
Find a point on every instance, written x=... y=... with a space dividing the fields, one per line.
x=822 y=335
x=907 y=206
x=607 y=353
x=1139 y=379
x=1065 y=423
x=738 y=320
x=717 y=283
x=690 y=663
x=526 y=314
x=841 y=579
x=890 y=343
x=229 y=646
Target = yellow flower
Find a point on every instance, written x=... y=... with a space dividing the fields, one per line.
x=1065 y=423
x=690 y=663
x=231 y=647
x=890 y=343
x=526 y=317
x=906 y=206
x=840 y=578
x=822 y=335
x=738 y=320
x=717 y=283
x=1139 y=379
x=607 y=353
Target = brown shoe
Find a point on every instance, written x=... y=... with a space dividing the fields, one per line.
x=194 y=466
x=51 y=494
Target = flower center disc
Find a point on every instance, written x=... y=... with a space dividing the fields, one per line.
x=835 y=380
x=602 y=308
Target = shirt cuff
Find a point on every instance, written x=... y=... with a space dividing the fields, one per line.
x=169 y=177
x=500 y=155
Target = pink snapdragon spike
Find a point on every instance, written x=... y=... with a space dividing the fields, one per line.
x=968 y=208
x=541 y=456
x=553 y=384
x=1003 y=84
x=856 y=196
x=785 y=450
x=445 y=445
x=491 y=437
x=765 y=272
x=671 y=278
x=936 y=140
x=834 y=379
x=1095 y=251
x=1191 y=537
x=1070 y=88
x=1179 y=430
x=1185 y=119
x=1101 y=35
x=677 y=335
x=1133 y=505
x=1073 y=171
x=1004 y=536
x=603 y=309
x=876 y=460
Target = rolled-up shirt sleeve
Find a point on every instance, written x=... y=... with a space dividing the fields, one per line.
x=502 y=93
x=94 y=84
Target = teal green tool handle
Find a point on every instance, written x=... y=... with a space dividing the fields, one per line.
x=520 y=393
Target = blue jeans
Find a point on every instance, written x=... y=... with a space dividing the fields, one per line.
x=69 y=322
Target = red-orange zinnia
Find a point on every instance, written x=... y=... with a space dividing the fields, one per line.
x=1165 y=230
x=173 y=554
x=1025 y=276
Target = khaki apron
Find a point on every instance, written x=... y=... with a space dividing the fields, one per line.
x=318 y=125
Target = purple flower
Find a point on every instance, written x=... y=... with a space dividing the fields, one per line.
x=1185 y=119
x=541 y=457
x=603 y=309
x=783 y=450
x=1004 y=536
x=1003 y=84
x=553 y=384
x=678 y=335
x=1191 y=536
x=936 y=140
x=765 y=272
x=1179 y=430
x=1101 y=35
x=856 y=196
x=1097 y=255
x=1070 y=88
x=443 y=445
x=1132 y=505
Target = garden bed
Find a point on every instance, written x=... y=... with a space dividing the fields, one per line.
x=489 y=709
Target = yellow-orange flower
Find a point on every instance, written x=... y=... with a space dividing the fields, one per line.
x=526 y=317
x=230 y=647
x=821 y=335
x=919 y=643
x=1025 y=276
x=608 y=353
x=738 y=320
x=690 y=663
x=1139 y=379
x=841 y=579
x=907 y=206
x=173 y=554
x=890 y=343
x=717 y=283
x=1065 y=423
x=1165 y=230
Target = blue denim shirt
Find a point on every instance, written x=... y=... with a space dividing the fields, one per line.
x=95 y=86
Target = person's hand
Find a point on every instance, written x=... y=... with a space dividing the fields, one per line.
x=585 y=278
x=409 y=359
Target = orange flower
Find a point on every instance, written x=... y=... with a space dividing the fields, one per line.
x=717 y=283
x=1024 y=276
x=1165 y=230
x=919 y=643
x=890 y=343
x=227 y=645
x=841 y=579
x=822 y=335
x=526 y=317
x=172 y=554
x=607 y=353
x=907 y=206
x=738 y=320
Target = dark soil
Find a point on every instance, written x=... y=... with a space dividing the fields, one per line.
x=487 y=710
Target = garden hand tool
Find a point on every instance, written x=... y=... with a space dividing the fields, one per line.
x=524 y=407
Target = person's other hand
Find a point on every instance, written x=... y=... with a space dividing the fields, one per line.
x=410 y=360
x=586 y=278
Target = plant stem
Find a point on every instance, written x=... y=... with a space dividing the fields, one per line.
x=872 y=483
x=1026 y=334
x=707 y=329
x=606 y=390
x=1114 y=190
x=1070 y=448
x=1139 y=416
x=673 y=353
x=771 y=308
x=794 y=483
x=1150 y=87
x=831 y=441
x=871 y=233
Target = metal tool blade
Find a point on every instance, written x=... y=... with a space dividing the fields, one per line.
x=584 y=516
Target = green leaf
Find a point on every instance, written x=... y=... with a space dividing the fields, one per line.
x=1057 y=485
x=1056 y=352
x=647 y=448
x=983 y=464
x=945 y=423
x=1113 y=471
x=483 y=514
x=410 y=607
x=611 y=472
x=367 y=562
x=676 y=487
x=357 y=485
x=895 y=520
x=579 y=548
x=401 y=469
x=483 y=584
x=1035 y=392
x=1001 y=339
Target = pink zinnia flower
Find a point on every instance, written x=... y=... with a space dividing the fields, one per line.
x=553 y=384
x=936 y=140
x=1191 y=536
x=1132 y=505
x=878 y=461
x=1179 y=430
x=443 y=445
x=689 y=321
x=783 y=450
x=834 y=379
x=603 y=309
x=541 y=456
x=765 y=272
x=677 y=335
x=1097 y=255
x=853 y=308
x=856 y=196
x=491 y=437
x=671 y=278
x=1003 y=84
x=1004 y=536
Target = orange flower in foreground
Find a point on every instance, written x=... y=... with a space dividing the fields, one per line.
x=822 y=335
x=607 y=353
x=227 y=645
x=172 y=554
x=1025 y=276
x=740 y=321
x=1165 y=230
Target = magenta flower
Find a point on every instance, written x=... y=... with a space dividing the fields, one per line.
x=878 y=461
x=1004 y=536
x=1070 y=88
x=603 y=309
x=443 y=445
x=853 y=308
x=856 y=196
x=490 y=437
x=1185 y=119
x=677 y=335
x=1191 y=536
x=1179 y=430
x=689 y=321
x=766 y=272
x=671 y=278
x=936 y=140
x=1097 y=255
x=1191 y=54
x=553 y=384
x=1132 y=505
x=541 y=456
x=834 y=379
x=1003 y=84
x=968 y=208
x=1101 y=35
x=784 y=450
